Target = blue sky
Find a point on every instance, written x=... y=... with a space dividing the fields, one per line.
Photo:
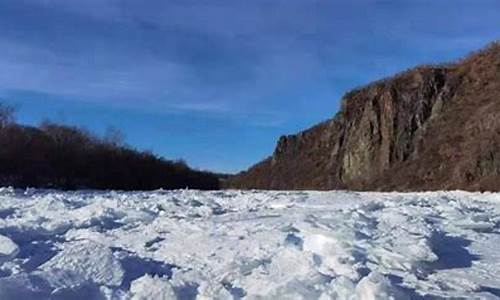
x=217 y=82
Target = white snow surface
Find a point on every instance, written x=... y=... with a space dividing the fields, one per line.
x=248 y=245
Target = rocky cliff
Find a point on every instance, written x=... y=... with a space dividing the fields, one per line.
x=432 y=127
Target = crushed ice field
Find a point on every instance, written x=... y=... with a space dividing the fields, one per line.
x=248 y=244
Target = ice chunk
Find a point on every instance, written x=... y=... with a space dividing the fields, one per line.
x=8 y=249
x=340 y=288
x=375 y=286
x=89 y=260
x=148 y=287
x=334 y=256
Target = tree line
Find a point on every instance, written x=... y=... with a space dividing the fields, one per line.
x=67 y=157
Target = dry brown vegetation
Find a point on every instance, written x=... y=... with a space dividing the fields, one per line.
x=57 y=156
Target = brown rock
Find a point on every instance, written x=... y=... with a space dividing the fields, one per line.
x=432 y=127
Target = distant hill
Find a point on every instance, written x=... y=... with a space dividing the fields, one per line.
x=429 y=128
x=63 y=157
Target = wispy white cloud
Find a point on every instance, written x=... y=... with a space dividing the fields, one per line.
x=219 y=56
x=269 y=66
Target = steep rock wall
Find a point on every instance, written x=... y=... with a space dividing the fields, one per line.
x=432 y=127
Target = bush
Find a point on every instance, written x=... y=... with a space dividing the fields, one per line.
x=6 y=115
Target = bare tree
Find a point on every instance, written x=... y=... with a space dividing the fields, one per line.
x=114 y=136
x=6 y=115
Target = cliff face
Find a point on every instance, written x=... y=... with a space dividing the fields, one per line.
x=433 y=127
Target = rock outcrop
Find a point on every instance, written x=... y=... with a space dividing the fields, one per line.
x=429 y=128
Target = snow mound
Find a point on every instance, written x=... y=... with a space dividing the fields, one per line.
x=248 y=245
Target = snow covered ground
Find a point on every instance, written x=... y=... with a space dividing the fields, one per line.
x=252 y=245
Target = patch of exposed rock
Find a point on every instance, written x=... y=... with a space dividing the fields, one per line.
x=432 y=127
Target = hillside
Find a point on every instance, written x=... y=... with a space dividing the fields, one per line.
x=429 y=128
x=64 y=157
